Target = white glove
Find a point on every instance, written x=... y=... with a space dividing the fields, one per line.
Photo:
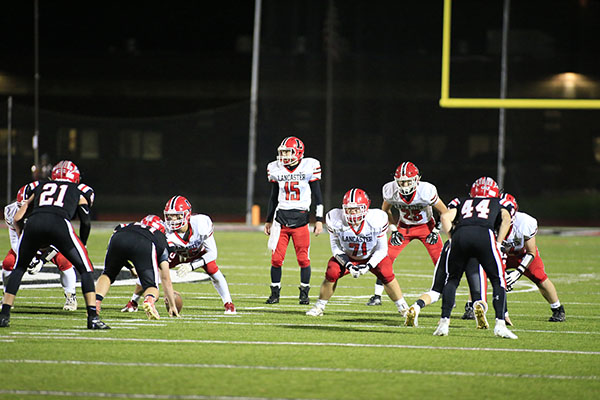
x=35 y=266
x=184 y=269
x=513 y=276
x=360 y=269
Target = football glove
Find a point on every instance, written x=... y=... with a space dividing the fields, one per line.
x=361 y=269
x=513 y=276
x=184 y=269
x=433 y=237
x=396 y=239
x=35 y=266
x=505 y=247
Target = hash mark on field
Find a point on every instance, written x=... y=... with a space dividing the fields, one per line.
x=304 y=369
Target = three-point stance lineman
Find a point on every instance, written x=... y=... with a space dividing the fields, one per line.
x=359 y=245
x=54 y=203
x=475 y=220
x=293 y=178
x=145 y=245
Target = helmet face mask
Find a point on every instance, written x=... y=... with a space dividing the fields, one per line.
x=155 y=222
x=178 y=211
x=355 y=204
x=290 y=151
x=485 y=187
x=65 y=170
x=407 y=178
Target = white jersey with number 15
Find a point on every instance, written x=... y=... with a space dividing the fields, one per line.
x=294 y=188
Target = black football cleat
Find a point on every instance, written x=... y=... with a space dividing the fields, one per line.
x=469 y=311
x=303 y=299
x=558 y=314
x=96 y=323
x=274 y=297
x=375 y=300
x=4 y=321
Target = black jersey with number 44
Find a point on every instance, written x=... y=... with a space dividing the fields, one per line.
x=477 y=211
x=57 y=197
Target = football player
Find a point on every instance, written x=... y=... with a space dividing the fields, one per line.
x=294 y=180
x=416 y=201
x=144 y=244
x=192 y=245
x=523 y=258
x=68 y=278
x=53 y=203
x=471 y=222
x=358 y=241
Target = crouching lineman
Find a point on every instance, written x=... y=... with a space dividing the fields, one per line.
x=523 y=258
x=192 y=246
x=359 y=245
x=145 y=245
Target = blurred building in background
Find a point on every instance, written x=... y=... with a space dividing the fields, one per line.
x=145 y=120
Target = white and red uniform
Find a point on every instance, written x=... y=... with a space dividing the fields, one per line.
x=197 y=243
x=294 y=195
x=416 y=216
x=524 y=227
x=367 y=244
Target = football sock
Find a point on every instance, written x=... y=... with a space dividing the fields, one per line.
x=378 y=288
x=275 y=276
x=220 y=284
x=68 y=280
x=99 y=297
x=555 y=305
x=5 y=309
x=304 y=275
x=91 y=311
x=420 y=303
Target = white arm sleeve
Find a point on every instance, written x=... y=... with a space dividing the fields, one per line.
x=210 y=245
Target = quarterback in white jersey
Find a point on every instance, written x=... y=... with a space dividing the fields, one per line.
x=294 y=181
x=68 y=278
x=415 y=201
x=523 y=258
x=359 y=245
x=192 y=245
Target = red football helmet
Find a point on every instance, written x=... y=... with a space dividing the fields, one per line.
x=356 y=205
x=485 y=187
x=509 y=201
x=21 y=196
x=407 y=177
x=155 y=222
x=290 y=151
x=178 y=211
x=65 y=171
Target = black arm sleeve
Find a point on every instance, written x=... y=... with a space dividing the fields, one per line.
x=315 y=188
x=83 y=211
x=272 y=201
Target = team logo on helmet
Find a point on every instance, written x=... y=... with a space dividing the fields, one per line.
x=155 y=222
x=290 y=151
x=65 y=171
x=485 y=187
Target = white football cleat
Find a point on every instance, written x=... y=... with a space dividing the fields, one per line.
x=150 y=310
x=70 y=302
x=480 y=308
x=502 y=331
x=412 y=316
x=315 y=312
x=443 y=327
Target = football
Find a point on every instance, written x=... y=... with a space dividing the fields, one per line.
x=178 y=302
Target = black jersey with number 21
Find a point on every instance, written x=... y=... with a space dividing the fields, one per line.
x=57 y=197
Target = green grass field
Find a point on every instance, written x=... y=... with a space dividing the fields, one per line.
x=275 y=351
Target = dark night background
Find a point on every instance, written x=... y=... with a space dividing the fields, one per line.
x=151 y=98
